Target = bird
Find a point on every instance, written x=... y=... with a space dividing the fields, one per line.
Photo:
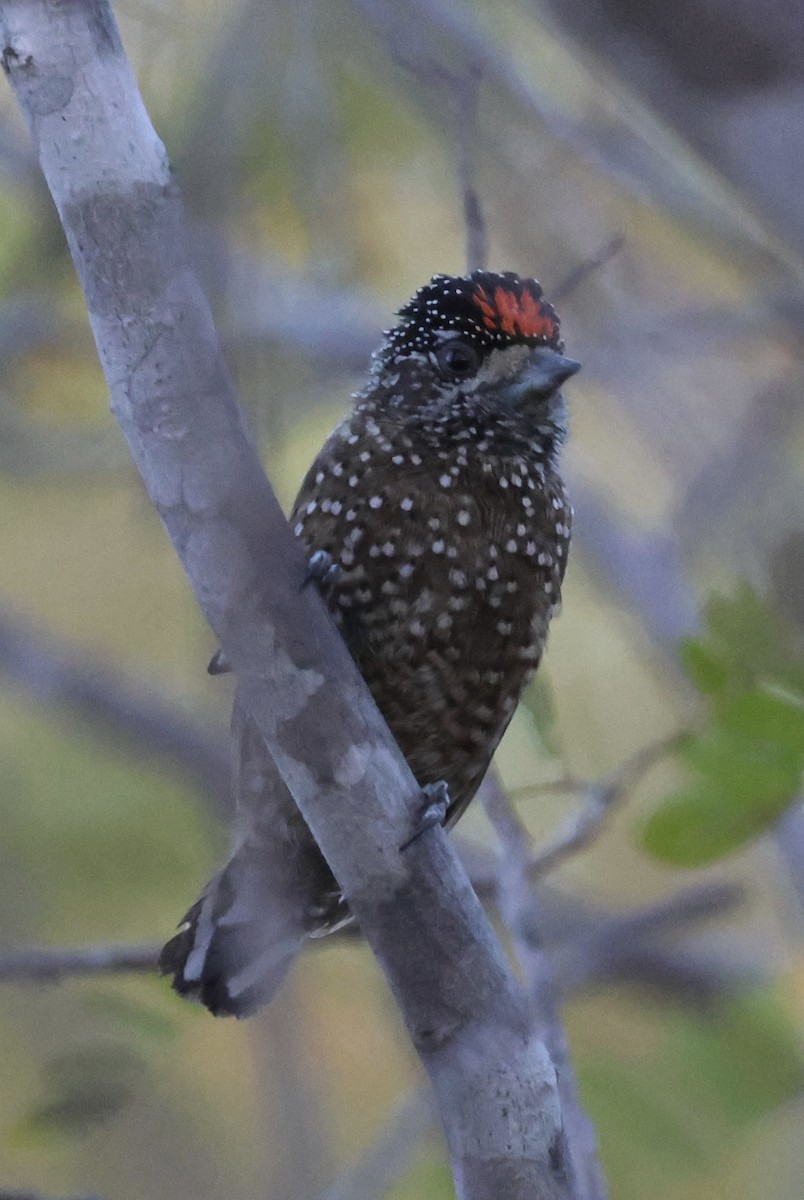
x=437 y=527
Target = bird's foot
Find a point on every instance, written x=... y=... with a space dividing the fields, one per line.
x=321 y=569
x=434 y=810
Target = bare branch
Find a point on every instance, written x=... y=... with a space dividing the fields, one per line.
x=173 y=398
x=4 y=1195
x=626 y=946
x=696 y=976
x=587 y=949
x=52 y=966
x=287 y=1073
x=789 y=838
x=623 y=140
x=565 y=921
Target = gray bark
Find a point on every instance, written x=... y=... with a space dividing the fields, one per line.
x=494 y=1083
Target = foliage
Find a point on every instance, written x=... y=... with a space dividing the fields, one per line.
x=677 y=1111
x=745 y=761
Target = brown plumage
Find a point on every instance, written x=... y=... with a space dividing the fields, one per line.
x=440 y=503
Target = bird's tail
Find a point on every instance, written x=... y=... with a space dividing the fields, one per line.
x=235 y=946
x=237 y=943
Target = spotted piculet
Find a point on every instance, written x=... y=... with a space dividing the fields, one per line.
x=439 y=502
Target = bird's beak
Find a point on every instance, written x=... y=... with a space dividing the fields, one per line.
x=547 y=370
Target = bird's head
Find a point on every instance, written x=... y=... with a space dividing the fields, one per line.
x=482 y=347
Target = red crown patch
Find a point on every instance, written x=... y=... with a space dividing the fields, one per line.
x=519 y=314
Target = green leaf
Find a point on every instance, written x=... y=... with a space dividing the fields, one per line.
x=707 y=669
x=745 y=1059
x=704 y=822
x=538 y=700
x=770 y=719
x=748 y=629
x=749 y=638
x=696 y=1086
x=742 y=766
x=642 y=1140
x=746 y=761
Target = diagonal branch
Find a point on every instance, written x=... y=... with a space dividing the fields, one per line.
x=599 y=799
x=579 y=275
x=172 y=395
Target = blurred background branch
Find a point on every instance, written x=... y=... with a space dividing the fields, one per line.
x=52 y=966
x=133 y=715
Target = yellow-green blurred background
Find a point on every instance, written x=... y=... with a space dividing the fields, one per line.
x=320 y=148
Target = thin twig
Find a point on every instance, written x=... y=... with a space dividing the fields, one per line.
x=467 y=100
x=578 y=275
x=695 y=977
x=600 y=798
x=460 y=92
x=385 y=1160
x=587 y=949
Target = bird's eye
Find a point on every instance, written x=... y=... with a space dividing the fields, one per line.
x=458 y=360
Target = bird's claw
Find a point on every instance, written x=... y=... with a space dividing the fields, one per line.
x=321 y=569
x=434 y=810
x=219 y=664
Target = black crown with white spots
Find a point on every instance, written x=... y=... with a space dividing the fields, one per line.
x=489 y=310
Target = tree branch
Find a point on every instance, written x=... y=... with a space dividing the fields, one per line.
x=17 y=1195
x=52 y=966
x=468 y=1019
x=589 y=948
x=628 y=946
x=519 y=909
